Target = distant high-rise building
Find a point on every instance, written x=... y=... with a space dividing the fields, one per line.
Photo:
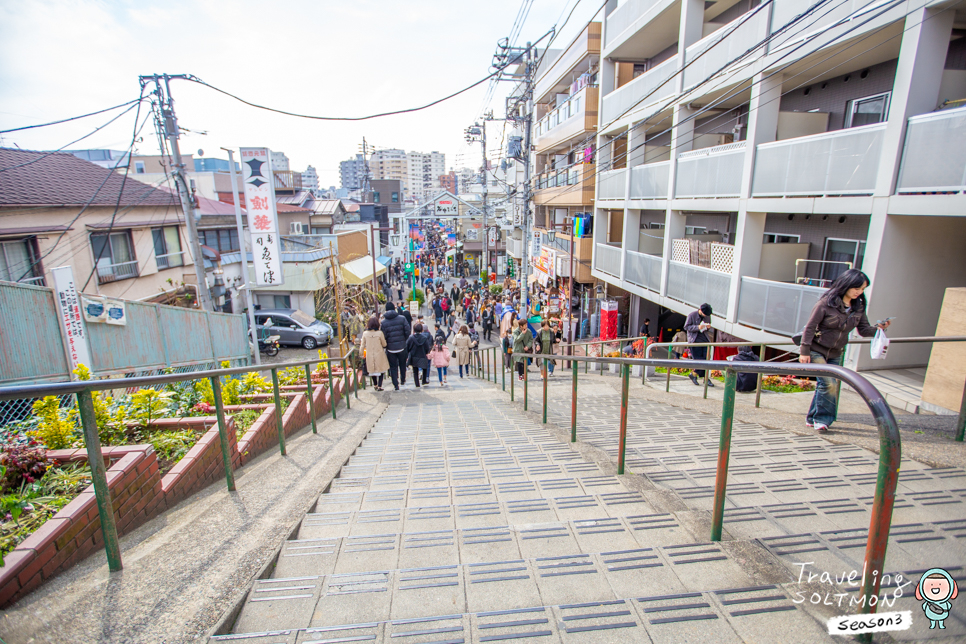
x=448 y=182
x=351 y=172
x=392 y=165
x=310 y=179
x=424 y=169
x=280 y=162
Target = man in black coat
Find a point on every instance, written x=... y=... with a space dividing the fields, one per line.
x=418 y=345
x=396 y=329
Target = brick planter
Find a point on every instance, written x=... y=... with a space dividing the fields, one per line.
x=139 y=493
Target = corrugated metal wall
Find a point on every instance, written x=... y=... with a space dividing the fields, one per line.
x=156 y=336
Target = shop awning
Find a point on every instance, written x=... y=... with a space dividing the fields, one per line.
x=384 y=260
x=359 y=271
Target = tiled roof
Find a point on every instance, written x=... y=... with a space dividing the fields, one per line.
x=61 y=179
x=284 y=207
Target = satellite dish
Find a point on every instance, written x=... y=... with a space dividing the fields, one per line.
x=201 y=152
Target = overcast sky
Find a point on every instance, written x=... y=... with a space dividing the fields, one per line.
x=319 y=57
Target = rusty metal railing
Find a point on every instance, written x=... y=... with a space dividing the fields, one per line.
x=890 y=448
x=85 y=402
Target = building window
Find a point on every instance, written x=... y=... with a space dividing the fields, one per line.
x=139 y=167
x=695 y=230
x=317 y=230
x=19 y=262
x=868 y=110
x=654 y=225
x=375 y=197
x=774 y=238
x=395 y=197
x=841 y=250
x=224 y=241
x=167 y=247
x=283 y=301
x=114 y=256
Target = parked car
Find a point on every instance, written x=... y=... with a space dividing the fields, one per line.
x=293 y=327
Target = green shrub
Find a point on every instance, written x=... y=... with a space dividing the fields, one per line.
x=496 y=289
x=418 y=295
x=172 y=445
x=148 y=405
x=55 y=427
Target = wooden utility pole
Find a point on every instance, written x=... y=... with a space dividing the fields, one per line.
x=336 y=272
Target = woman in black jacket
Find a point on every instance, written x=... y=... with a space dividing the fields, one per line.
x=840 y=309
x=418 y=345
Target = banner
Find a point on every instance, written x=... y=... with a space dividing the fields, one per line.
x=451 y=240
x=69 y=314
x=262 y=215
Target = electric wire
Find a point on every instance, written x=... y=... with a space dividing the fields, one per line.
x=72 y=118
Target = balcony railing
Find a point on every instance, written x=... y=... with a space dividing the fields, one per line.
x=568 y=120
x=729 y=42
x=170 y=260
x=650 y=181
x=643 y=270
x=571 y=186
x=286 y=180
x=711 y=172
x=696 y=285
x=844 y=162
x=649 y=87
x=610 y=184
x=107 y=273
x=36 y=281
x=586 y=44
x=776 y=306
x=608 y=259
x=934 y=155
x=626 y=15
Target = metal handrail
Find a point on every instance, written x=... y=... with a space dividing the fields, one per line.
x=890 y=448
x=85 y=402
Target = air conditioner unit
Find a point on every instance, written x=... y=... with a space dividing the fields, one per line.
x=295 y=228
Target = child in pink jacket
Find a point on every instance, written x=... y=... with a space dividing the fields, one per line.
x=439 y=357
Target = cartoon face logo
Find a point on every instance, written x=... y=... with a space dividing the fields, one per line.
x=936 y=590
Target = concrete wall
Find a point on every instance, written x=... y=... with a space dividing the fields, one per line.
x=946 y=375
x=920 y=258
x=778 y=261
x=816 y=229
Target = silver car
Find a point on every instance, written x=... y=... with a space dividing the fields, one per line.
x=293 y=327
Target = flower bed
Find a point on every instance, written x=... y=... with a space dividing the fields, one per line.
x=66 y=529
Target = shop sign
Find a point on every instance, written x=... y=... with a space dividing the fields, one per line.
x=262 y=215
x=70 y=317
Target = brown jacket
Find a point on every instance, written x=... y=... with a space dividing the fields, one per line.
x=828 y=327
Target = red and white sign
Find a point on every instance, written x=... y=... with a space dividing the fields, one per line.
x=71 y=319
x=447 y=207
x=608 y=320
x=262 y=215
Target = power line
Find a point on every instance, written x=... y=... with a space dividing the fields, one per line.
x=72 y=118
x=347 y=118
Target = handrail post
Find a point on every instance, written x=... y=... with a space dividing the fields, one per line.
x=961 y=421
x=546 y=365
x=332 y=401
x=625 y=378
x=308 y=383
x=761 y=376
x=278 y=412
x=668 y=387
x=223 y=432
x=355 y=380
x=526 y=382
x=345 y=384
x=707 y=372
x=513 y=375
x=724 y=452
x=102 y=493
x=573 y=402
x=503 y=370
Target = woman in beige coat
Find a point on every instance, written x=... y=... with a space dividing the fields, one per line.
x=373 y=346
x=461 y=343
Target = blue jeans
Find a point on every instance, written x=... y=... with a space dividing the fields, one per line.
x=467 y=370
x=442 y=372
x=824 y=406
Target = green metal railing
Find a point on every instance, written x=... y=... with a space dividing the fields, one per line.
x=85 y=402
x=890 y=449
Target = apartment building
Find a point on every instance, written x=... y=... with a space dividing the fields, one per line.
x=392 y=164
x=310 y=179
x=351 y=172
x=749 y=153
x=566 y=98
x=424 y=171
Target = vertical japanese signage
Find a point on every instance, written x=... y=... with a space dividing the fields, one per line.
x=71 y=320
x=262 y=215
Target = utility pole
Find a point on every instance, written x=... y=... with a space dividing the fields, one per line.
x=172 y=133
x=528 y=127
x=244 y=255
x=366 y=175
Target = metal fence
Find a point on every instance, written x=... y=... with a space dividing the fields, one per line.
x=644 y=270
x=711 y=172
x=775 y=306
x=650 y=181
x=610 y=184
x=696 y=285
x=608 y=259
x=654 y=84
x=934 y=155
x=729 y=42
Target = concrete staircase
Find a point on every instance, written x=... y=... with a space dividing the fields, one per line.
x=462 y=519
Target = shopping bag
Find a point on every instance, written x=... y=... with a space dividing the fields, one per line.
x=880 y=345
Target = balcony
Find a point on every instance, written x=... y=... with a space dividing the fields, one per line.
x=626 y=21
x=710 y=172
x=107 y=273
x=572 y=186
x=696 y=285
x=610 y=185
x=287 y=181
x=729 y=42
x=934 y=156
x=844 y=162
x=607 y=259
x=775 y=306
x=577 y=117
x=575 y=60
x=643 y=270
x=650 y=181
x=648 y=88
x=169 y=260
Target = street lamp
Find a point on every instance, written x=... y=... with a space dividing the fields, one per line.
x=394 y=239
x=551 y=235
